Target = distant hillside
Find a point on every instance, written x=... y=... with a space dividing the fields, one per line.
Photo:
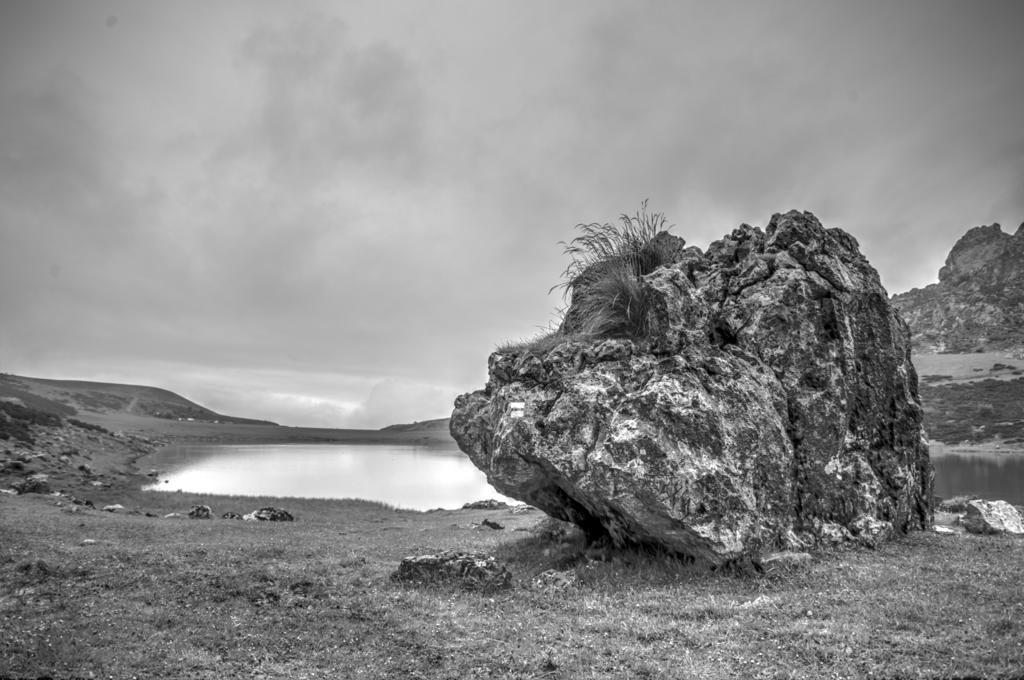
x=978 y=303
x=436 y=425
x=71 y=397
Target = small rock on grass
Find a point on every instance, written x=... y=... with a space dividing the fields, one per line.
x=269 y=514
x=491 y=525
x=116 y=507
x=37 y=483
x=471 y=571
x=488 y=504
x=200 y=512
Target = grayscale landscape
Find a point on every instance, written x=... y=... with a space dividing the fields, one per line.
x=511 y=340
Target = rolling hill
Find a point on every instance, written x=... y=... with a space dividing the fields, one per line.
x=75 y=397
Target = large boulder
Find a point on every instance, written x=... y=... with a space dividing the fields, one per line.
x=771 y=404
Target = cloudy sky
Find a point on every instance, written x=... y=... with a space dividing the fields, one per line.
x=329 y=213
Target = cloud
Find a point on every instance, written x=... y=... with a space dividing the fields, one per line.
x=403 y=401
x=331 y=106
x=317 y=201
x=324 y=400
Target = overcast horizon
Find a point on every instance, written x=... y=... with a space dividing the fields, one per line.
x=329 y=214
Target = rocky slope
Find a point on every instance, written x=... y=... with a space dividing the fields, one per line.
x=978 y=303
x=41 y=452
x=772 y=404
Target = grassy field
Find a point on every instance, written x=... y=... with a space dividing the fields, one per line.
x=973 y=398
x=939 y=368
x=93 y=594
x=152 y=597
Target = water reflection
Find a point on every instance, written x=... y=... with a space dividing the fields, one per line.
x=422 y=478
x=413 y=477
x=989 y=476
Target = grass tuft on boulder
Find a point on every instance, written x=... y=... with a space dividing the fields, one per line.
x=605 y=272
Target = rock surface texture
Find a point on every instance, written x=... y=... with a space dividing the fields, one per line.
x=269 y=514
x=200 y=512
x=992 y=517
x=978 y=303
x=772 y=405
x=472 y=571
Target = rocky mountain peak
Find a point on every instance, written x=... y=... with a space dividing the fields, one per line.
x=986 y=251
x=978 y=303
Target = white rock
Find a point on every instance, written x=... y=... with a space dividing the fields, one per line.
x=992 y=517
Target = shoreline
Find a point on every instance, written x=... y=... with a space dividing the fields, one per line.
x=108 y=459
x=979 y=450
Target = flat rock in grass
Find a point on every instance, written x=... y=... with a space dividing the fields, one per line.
x=116 y=507
x=944 y=530
x=269 y=514
x=231 y=515
x=37 y=483
x=491 y=525
x=200 y=512
x=472 y=571
x=992 y=517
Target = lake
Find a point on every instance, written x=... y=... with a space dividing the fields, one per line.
x=413 y=477
x=991 y=476
x=422 y=478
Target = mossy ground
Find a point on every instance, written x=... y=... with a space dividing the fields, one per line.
x=157 y=597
